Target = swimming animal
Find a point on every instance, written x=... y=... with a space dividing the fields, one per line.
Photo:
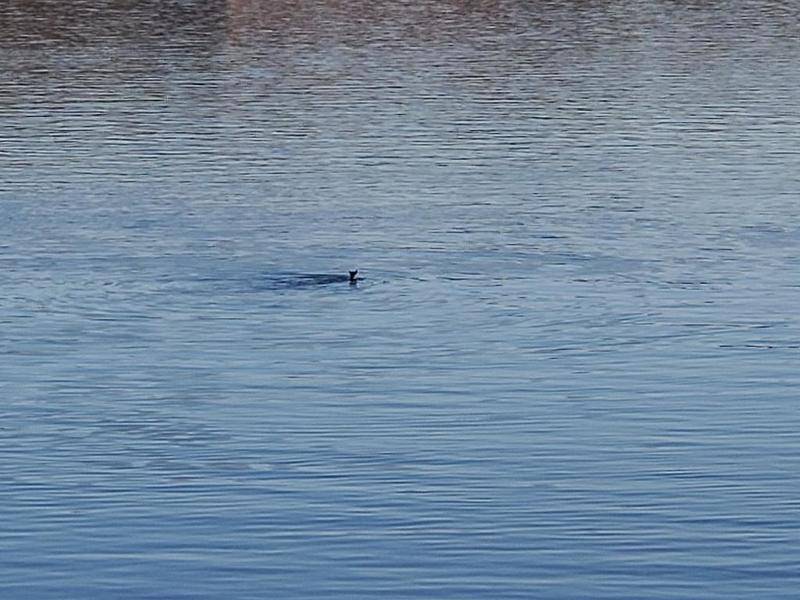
x=301 y=280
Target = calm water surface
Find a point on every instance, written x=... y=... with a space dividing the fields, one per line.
x=570 y=371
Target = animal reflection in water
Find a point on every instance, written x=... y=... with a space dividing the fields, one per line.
x=299 y=280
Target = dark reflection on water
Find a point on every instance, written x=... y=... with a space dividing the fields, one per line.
x=570 y=370
x=90 y=24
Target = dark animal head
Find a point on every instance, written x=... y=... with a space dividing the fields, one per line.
x=353 y=275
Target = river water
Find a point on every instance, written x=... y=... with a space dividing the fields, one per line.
x=570 y=369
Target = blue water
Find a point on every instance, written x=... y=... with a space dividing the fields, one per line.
x=570 y=370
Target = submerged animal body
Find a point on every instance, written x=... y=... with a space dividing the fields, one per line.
x=300 y=280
